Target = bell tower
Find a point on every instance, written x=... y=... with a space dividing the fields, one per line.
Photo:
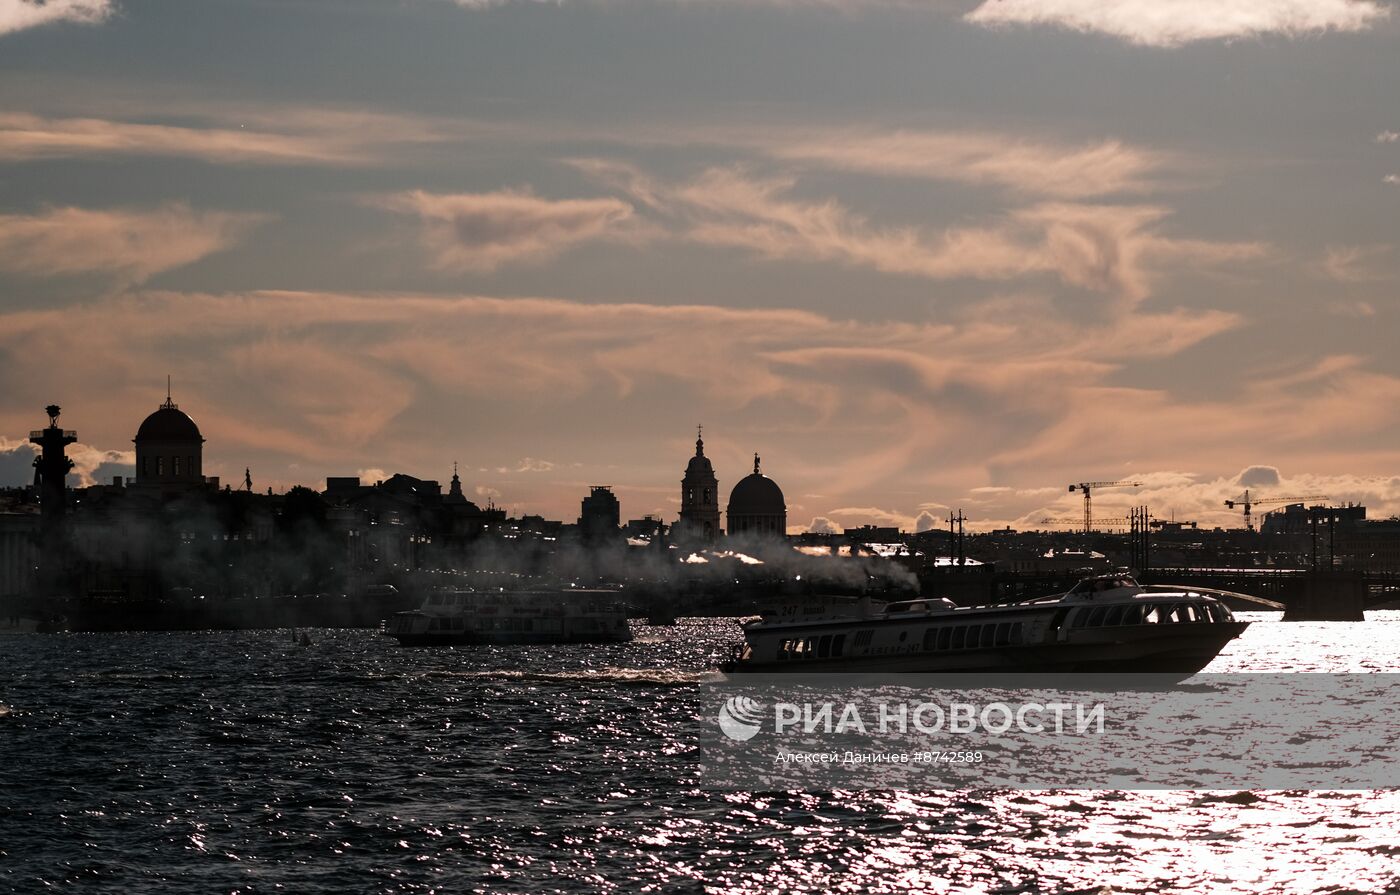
x=700 y=495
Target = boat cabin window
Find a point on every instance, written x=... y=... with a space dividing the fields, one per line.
x=838 y=645
x=863 y=637
x=945 y=637
x=824 y=646
x=989 y=635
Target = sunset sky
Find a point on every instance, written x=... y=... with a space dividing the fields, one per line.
x=918 y=254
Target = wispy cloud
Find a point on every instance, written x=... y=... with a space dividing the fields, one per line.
x=430 y=370
x=1356 y=309
x=296 y=136
x=1172 y=23
x=1387 y=137
x=482 y=231
x=1355 y=264
x=1035 y=167
x=132 y=245
x=17 y=15
x=1107 y=248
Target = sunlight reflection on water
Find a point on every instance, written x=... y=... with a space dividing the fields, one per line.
x=240 y=761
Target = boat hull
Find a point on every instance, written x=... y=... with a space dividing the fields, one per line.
x=1179 y=649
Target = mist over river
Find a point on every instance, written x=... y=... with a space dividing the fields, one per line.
x=242 y=762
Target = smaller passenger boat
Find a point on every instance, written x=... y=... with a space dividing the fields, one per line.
x=449 y=618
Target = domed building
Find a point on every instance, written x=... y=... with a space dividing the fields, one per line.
x=756 y=506
x=699 y=496
x=169 y=449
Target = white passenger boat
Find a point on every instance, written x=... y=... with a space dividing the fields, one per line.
x=1106 y=623
x=450 y=618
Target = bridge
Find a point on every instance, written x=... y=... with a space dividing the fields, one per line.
x=1306 y=595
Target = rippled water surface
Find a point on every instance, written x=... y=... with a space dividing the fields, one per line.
x=243 y=762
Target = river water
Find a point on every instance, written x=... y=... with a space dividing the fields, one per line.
x=242 y=762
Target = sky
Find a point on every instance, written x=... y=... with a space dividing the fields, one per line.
x=917 y=254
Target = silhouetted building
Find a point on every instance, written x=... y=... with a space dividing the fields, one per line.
x=465 y=520
x=1372 y=546
x=19 y=558
x=454 y=490
x=1297 y=519
x=600 y=515
x=699 y=497
x=649 y=528
x=873 y=534
x=756 y=506
x=169 y=451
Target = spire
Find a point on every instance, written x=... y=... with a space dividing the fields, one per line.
x=699 y=441
x=755 y=464
x=454 y=493
x=168 y=402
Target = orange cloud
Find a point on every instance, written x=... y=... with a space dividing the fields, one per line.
x=284 y=136
x=482 y=231
x=130 y=244
x=1002 y=160
x=873 y=414
x=1356 y=263
x=1106 y=248
x=337 y=382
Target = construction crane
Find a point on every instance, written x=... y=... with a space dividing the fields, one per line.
x=1088 y=488
x=1115 y=522
x=1249 y=502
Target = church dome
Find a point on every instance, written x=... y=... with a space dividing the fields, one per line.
x=699 y=465
x=757 y=495
x=169 y=423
